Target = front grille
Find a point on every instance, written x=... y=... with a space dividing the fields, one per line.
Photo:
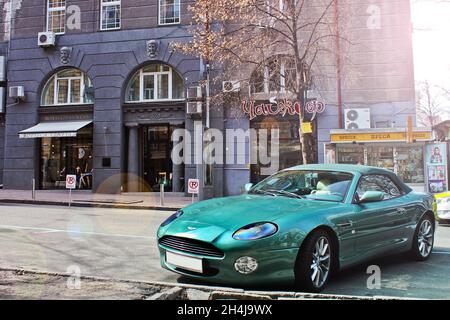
x=191 y=246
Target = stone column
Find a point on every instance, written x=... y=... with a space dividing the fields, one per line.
x=177 y=173
x=133 y=158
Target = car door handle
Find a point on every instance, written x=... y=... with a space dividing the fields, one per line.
x=345 y=224
x=401 y=210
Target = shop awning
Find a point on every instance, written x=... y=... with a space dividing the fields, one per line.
x=54 y=129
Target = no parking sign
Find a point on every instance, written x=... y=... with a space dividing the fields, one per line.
x=193 y=186
x=71 y=181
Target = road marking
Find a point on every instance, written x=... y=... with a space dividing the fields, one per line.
x=49 y=230
x=441 y=252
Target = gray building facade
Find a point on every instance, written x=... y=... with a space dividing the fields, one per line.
x=125 y=94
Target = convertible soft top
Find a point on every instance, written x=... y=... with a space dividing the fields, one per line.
x=353 y=168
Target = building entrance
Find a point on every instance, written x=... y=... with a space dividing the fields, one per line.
x=157 y=167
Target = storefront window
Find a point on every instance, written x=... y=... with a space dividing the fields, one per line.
x=63 y=156
x=381 y=157
x=289 y=145
x=350 y=155
x=409 y=164
x=406 y=161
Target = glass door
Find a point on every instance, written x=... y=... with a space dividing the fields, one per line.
x=157 y=164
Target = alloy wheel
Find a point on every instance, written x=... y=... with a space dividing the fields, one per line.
x=425 y=238
x=321 y=262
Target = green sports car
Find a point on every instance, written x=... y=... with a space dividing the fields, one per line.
x=299 y=226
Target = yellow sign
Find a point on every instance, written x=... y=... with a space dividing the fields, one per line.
x=379 y=136
x=410 y=130
x=307 y=127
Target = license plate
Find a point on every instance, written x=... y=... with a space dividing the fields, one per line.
x=185 y=262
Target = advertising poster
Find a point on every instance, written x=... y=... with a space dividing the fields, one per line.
x=436 y=161
x=330 y=154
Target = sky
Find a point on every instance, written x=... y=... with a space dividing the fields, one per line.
x=431 y=43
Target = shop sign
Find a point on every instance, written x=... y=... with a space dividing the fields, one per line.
x=48 y=135
x=281 y=108
x=381 y=136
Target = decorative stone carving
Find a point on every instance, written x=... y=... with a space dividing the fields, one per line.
x=152 y=48
x=65 y=54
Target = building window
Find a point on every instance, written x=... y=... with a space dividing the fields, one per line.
x=155 y=82
x=110 y=14
x=56 y=16
x=409 y=164
x=70 y=86
x=276 y=75
x=287 y=145
x=406 y=161
x=169 y=11
x=68 y=155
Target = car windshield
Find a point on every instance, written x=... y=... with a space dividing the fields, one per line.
x=308 y=184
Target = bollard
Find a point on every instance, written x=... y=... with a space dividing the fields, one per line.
x=161 y=195
x=33 y=190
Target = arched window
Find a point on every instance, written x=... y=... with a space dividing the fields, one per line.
x=276 y=75
x=69 y=86
x=156 y=82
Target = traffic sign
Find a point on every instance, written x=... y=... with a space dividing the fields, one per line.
x=71 y=181
x=193 y=186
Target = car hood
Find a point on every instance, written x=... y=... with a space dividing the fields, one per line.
x=207 y=220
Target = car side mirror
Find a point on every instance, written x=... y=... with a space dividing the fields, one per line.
x=371 y=196
x=248 y=186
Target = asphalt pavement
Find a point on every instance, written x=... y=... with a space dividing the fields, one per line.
x=121 y=244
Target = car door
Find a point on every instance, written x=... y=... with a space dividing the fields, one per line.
x=378 y=226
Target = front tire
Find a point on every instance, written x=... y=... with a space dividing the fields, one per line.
x=423 y=239
x=314 y=262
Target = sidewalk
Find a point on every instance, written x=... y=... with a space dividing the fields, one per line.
x=85 y=198
x=38 y=285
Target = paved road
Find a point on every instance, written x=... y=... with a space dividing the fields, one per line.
x=122 y=244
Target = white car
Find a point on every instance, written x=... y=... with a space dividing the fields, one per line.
x=443 y=210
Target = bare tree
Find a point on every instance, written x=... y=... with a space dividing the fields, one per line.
x=271 y=45
x=429 y=108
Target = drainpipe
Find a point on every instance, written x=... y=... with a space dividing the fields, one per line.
x=338 y=64
x=11 y=6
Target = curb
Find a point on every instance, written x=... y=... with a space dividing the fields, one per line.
x=87 y=205
x=177 y=291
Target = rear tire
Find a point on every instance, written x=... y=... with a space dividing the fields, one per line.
x=423 y=240
x=314 y=262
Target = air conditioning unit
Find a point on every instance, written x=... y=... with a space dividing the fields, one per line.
x=17 y=93
x=357 y=118
x=231 y=86
x=46 y=39
x=194 y=107
x=2 y=100
x=194 y=93
x=2 y=68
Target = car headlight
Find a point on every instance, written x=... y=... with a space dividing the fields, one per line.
x=171 y=218
x=255 y=231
